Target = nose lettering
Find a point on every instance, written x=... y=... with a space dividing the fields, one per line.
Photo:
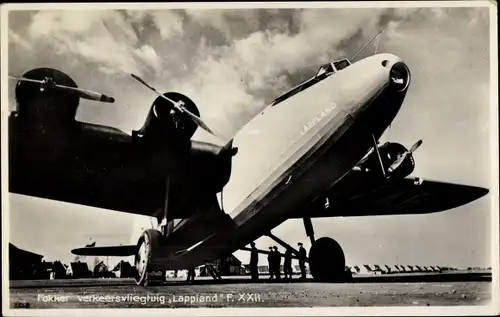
x=309 y=125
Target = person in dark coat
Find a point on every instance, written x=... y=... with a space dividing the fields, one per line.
x=287 y=266
x=302 y=261
x=254 y=260
x=191 y=274
x=270 y=260
x=277 y=263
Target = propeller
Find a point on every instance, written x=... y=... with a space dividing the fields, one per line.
x=404 y=155
x=82 y=93
x=179 y=105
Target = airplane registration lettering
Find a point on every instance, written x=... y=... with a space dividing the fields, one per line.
x=309 y=125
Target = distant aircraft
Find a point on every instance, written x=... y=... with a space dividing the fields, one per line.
x=312 y=153
x=389 y=269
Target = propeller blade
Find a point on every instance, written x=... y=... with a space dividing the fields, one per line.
x=398 y=162
x=179 y=106
x=26 y=79
x=405 y=154
x=82 y=93
x=87 y=94
x=416 y=146
x=139 y=79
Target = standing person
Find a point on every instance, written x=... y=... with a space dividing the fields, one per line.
x=277 y=263
x=302 y=261
x=191 y=274
x=270 y=260
x=254 y=260
x=287 y=266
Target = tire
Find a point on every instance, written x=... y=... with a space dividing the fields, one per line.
x=146 y=246
x=327 y=261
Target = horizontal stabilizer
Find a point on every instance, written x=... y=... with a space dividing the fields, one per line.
x=120 y=250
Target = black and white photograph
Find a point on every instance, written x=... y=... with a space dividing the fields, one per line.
x=250 y=158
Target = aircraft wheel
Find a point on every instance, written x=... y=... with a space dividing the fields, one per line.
x=147 y=244
x=327 y=261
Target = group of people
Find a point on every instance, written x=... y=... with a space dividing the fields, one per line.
x=274 y=260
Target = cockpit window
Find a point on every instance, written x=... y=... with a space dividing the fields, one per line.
x=330 y=68
x=323 y=72
x=325 y=69
x=341 y=64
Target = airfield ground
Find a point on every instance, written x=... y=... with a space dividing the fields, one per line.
x=237 y=292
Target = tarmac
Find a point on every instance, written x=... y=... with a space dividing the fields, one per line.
x=438 y=289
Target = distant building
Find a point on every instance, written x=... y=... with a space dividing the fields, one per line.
x=79 y=270
x=58 y=270
x=230 y=266
x=225 y=267
x=123 y=269
x=101 y=270
x=24 y=265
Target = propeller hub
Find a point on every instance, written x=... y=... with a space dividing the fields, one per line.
x=48 y=82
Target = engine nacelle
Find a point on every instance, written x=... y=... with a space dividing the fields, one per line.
x=164 y=121
x=389 y=153
x=46 y=109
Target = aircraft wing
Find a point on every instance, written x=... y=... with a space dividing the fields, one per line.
x=358 y=194
x=119 y=250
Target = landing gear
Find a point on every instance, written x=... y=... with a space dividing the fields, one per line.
x=146 y=270
x=327 y=261
x=326 y=258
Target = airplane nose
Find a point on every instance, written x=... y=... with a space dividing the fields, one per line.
x=399 y=76
x=383 y=87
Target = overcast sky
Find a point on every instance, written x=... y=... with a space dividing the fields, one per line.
x=231 y=63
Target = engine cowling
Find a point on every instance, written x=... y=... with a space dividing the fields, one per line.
x=389 y=153
x=46 y=109
x=164 y=121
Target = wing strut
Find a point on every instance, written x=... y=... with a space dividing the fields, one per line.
x=169 y=224
x=309 y=228
x=375 y=147
x=284 y=244
x=267 y=252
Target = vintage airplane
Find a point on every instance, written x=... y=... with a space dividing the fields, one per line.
x=312 y=153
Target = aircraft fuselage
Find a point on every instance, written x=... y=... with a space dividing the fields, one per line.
x=293 y=152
